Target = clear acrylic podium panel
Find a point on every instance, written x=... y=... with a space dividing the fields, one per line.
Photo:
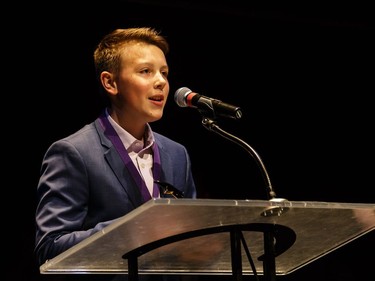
x=320 y=228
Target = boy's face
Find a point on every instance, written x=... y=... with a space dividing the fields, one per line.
x=142 y=84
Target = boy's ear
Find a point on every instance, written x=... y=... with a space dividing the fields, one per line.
x=108 y=82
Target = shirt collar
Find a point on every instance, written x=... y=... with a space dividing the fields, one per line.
x=129 y=141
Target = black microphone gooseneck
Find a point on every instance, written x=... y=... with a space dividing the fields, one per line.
x=212 y=126
x=211 y=109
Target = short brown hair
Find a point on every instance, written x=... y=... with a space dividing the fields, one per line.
x=107 y=55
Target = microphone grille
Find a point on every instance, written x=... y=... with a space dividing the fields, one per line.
x=180 y=96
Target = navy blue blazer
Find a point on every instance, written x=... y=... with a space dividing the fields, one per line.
x=84 y=186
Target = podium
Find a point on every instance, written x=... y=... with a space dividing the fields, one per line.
x=217 y=237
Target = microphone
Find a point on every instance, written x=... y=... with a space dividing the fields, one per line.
x=184 y=97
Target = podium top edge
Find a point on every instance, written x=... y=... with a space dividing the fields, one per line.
x=259 y=203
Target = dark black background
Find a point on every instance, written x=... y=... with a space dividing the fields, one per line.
x=302 y=73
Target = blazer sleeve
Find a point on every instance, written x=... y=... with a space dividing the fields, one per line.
x=63 y=199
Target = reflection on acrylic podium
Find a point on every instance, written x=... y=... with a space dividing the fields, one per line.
x=217 y=237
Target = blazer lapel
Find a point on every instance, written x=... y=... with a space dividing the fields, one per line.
x=118 y=167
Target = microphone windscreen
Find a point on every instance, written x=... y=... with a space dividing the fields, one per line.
x=180 y=96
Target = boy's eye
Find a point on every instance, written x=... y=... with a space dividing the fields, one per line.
x=145 y=71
